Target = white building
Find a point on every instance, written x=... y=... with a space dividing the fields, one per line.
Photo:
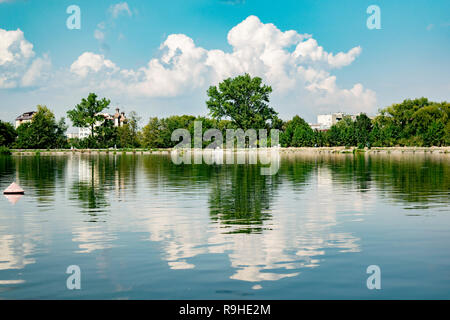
x=84 y=132
x=315 y=126
x=72 y=135
x=118 y=118
x=325 y=121
x=24 y=118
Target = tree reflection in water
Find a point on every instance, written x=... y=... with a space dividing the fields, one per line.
x=268 y=227
x=98 y=178
x=240 y=198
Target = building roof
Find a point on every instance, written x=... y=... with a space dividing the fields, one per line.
x=107 y=116
x=26 y=116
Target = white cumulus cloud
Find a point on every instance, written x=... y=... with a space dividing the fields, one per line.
x=37 y=71
x=294 y=64
x=310 y=51
x=90 y=62
x=17 y=67
x=299 y=70
x=14 y=48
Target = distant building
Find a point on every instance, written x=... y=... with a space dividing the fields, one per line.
x=24 y=118
x=317 y=126
x=325 y=121
x=84 y=132
x=118 y=118
x=72 y=135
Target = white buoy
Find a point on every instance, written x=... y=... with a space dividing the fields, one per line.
x=14 y=188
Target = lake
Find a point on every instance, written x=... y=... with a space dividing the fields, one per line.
x=141 y=227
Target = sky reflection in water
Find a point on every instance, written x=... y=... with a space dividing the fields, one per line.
x=142 y=227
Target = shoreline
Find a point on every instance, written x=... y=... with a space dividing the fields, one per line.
x=290 y=150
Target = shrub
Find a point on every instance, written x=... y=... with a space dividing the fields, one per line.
x=4 y=151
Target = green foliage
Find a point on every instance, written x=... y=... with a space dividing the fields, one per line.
x=43 y=132
x=298 y=133
x=413 y=122
x=426 y=123
x=4 y=151
x=7 y=134
x=320 y=138
x=363 y=128
x=103 y=132
x=347 y=132
x=288 y=132
x=128 y=134
x=151 y=137
x=85 y=143
x=435 y=134
x=105 y=135
x=447 y=134
x=158 y=132
x=86 y=113
x=244 y=100
x=61 y=138
x=416 y=122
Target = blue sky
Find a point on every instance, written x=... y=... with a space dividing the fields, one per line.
x=408 y=57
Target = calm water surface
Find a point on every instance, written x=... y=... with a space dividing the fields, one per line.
x=141 y=227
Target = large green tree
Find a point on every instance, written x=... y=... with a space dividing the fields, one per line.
x=363 y=128
x=106 y=136
x=297 y=133
x=413 y=122
x=128 y=133
x=86 y=113
x=151 y=137
x=158 y=132
x=244 y=100
x=7 y=134
x=43 y=132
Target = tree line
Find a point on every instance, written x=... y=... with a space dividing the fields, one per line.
x=417 y=122
x=240 y=102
